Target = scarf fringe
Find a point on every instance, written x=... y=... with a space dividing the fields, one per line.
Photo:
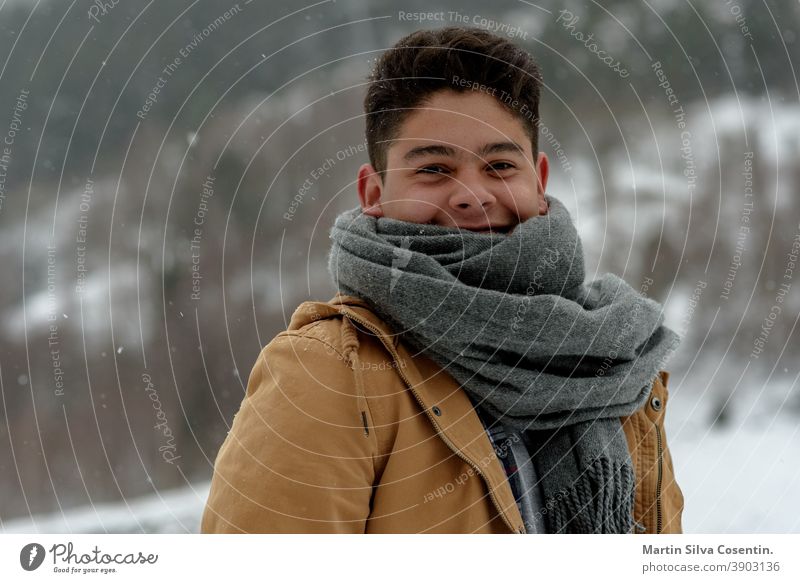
x=601 y=501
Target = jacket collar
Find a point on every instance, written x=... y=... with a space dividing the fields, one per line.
x=310 y=311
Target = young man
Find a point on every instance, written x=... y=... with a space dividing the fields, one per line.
x=465 y=379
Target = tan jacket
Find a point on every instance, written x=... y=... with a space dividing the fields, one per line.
x=344 y=430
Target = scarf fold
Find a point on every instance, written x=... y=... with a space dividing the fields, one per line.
x=510 y=317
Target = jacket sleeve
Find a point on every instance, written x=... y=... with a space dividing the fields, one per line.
x=297 y=458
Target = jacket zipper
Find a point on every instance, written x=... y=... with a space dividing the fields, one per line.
x=659 y=517
x=455 y=450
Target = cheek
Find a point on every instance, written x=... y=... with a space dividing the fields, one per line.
x=528 y=208
x=413 y=205
x=524 y=204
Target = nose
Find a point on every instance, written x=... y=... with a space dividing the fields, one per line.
x=471 y=194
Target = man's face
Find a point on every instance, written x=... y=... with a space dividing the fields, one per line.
x=460 y=160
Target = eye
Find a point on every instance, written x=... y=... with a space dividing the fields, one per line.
x=432 y=169
x=500 y=166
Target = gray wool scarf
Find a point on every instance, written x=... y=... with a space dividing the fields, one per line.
x=510 y=318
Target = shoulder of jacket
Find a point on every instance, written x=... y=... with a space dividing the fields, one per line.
x=326 y=333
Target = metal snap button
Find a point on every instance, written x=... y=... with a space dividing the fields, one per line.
x=436 y=411
x=655 y=403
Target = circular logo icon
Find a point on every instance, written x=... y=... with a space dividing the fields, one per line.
x=31 y=556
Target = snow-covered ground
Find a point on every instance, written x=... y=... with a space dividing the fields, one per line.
x=170 y=511
x=743 y=479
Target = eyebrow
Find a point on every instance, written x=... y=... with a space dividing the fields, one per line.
x=483 y=152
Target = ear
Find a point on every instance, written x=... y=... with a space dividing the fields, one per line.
x=542 y=173
x=370 y=188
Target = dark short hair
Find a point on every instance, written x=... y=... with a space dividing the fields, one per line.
x=427 y=61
